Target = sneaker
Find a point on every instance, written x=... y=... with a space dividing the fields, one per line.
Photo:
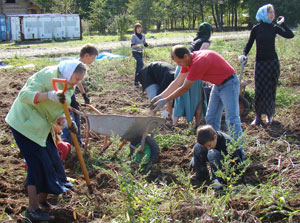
x=39 y=215
x=216 y=184
x=256 y=122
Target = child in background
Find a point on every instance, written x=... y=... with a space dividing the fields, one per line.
x=87 y=55
x=209 y=148
x=138 y=41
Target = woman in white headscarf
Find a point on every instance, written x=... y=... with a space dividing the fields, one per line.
x=267 y=68
x=31 y=117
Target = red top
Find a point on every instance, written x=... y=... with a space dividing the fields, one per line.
x=208 y=66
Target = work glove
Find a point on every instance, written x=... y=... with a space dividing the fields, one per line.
x=56 y=96
x=243 y=59
x=280 y=20
x=160 y=104
x=154 y=100
x=165 y=114
x=140 y=45
x=73 y=127
x=86 y=98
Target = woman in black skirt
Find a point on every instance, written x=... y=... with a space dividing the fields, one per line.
x=267 y=67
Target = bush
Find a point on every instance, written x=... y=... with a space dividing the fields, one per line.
x=120 y=24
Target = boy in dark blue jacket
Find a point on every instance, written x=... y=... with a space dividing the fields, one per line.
x=210 y=147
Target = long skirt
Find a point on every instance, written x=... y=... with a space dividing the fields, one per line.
x=186 y=104
x=45 y=170
x=266 y=81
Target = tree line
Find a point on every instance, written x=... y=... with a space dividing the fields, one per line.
x=116 y=16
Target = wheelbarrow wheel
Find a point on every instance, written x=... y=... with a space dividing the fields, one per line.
x=151 y=150
x=244 y=106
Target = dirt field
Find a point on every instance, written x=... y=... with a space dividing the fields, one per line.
x=285 y=131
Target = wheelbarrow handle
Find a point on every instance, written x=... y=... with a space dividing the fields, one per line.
x=92 y=107
x=62 y=81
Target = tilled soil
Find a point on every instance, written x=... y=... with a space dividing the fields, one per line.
x=285 y=128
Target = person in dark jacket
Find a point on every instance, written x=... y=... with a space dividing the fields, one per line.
x=155 y=78
x=267 y=68
x=202 y=39
x=211 y=147
x=193 y=102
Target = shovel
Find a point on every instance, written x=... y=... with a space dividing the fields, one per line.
x=74 y=137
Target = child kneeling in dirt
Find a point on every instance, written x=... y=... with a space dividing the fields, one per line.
x=211 y=147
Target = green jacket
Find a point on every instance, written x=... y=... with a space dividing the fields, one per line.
x=36 y=120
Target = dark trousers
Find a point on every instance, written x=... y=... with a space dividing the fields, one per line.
x=139 y=63
x=213 y=156
x=45 y=169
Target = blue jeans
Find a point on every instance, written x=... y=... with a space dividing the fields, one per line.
x=226 y=95
x=139 y=63
x=214 y=158
x=152 y=91
x=199 y=160
x=202 y=155
x=66 y=136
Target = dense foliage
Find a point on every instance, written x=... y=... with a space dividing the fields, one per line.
x=171 y=14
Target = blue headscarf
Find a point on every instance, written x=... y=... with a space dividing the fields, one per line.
x=262 y=14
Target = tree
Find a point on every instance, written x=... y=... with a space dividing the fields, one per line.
x=83 y=8
x=103 y=12
x=120 y=24
x=233 y=6
x=64 y=6
x=159 y=8
x=67 y=6
x=142 y=11
x=289 y=9
x=46 y=4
